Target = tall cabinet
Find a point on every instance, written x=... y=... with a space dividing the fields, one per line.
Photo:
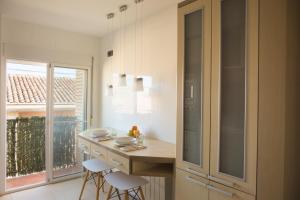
x=217 y=100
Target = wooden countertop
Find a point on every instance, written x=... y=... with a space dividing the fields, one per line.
x=157 y=150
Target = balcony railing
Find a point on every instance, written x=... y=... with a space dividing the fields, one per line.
x=26 y=144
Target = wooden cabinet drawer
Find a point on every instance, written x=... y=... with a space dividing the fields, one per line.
x=98 y=152
x=118 y=162
x=221 y=192
x=84 y=146
x=190 y=187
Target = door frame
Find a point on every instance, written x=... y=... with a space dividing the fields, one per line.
x=49 y=162
x=2 y=125
x=49 y=156
x=3 y=118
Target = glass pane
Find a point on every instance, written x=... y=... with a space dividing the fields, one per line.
x=26 y=99
x=193 y=88
x=69 y=118
x=232 y=87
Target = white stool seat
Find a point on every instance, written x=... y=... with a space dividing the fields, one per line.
x=123 y=181
x=96 y=165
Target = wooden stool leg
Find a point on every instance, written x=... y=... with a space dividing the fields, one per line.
x=98 y=185
x=118 y=193
x=102 y=182
x=126 y=195
x=109 y=193
x=84 y=183
x=141 y=193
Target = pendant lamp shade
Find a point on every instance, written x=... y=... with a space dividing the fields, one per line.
x=122 y=80
x=139 y=84
x=110 y=90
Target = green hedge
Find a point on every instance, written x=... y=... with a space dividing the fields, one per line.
x=26 y=144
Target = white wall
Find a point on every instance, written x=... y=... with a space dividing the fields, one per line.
x=159 y=62
x=32 y=42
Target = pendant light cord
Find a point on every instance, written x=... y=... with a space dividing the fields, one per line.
x=124 y=42
x=120 y=48
x=135 y=39
x=142 y=35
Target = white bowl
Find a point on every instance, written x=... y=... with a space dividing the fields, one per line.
x=125 y=140
x=99 y=132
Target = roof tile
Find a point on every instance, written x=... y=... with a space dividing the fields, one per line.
x=31 y=89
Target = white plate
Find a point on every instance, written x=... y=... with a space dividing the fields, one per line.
x=99 y=132
x=125 y=140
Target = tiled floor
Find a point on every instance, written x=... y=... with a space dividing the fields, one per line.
x=21 y=181
x=36 y=178
x=68 y=190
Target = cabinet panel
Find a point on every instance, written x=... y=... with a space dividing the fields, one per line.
x=84 y=146
x=194 y=30
x=98 y=152
x=234 y=93
x=118 y=162
x=220 y=192
x=190 y=187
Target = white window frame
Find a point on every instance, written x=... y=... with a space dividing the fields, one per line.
x=49 y=105
x=49 y=161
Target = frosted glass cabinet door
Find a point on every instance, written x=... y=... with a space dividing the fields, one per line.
x=193 y=87
x=234 y=93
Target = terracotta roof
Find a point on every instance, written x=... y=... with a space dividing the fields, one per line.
x=31 y=89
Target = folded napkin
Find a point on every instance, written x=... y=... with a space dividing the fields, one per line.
x=132 y=148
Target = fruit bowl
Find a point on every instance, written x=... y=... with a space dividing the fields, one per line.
x=125 y=140
x=134 y=132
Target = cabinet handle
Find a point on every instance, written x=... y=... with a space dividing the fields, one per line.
x=82 y=146
x=195 y=181
x=196 y=173
x=116 y=162
x=192 y=91
x=97 y=153
x=229 y=194
x=220 y=181
x=84 y=149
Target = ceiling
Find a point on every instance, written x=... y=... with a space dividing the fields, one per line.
x=84 y=16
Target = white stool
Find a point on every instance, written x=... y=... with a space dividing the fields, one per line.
x=95 y=167
x=131 y=185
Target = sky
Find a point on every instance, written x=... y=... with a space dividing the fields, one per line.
x=39 y=70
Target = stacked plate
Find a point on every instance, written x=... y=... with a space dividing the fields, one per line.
x=98 y=132
x=125 y=141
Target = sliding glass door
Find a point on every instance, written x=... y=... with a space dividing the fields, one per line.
x=26 y=127
x=46 y=107
x=69 y=117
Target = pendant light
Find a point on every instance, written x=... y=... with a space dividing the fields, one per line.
x=139 y=81
x=110 y=90
x=122 y=76
x=110 y=87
